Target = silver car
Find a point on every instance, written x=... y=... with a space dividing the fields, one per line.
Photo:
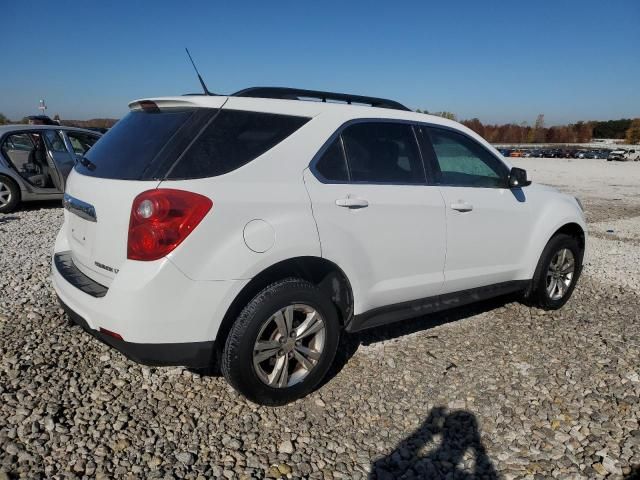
x=35 y=161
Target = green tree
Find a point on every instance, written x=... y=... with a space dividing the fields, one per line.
x=632 y=135
x=449 y=115
x=3 y=120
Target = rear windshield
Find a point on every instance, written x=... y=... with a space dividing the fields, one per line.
x=131 y=145
x=184 y=144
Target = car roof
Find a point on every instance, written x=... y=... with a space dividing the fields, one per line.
x=339 y=112
x=22 y=128
x=293 y=107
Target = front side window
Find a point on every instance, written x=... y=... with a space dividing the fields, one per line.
x=460 y=161
x=383 y=152
x=234 y=138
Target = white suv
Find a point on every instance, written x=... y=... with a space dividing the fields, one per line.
x=249 y=231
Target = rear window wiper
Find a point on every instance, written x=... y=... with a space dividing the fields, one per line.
x=85 y=162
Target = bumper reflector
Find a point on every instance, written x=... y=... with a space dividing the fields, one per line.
x=110 y=333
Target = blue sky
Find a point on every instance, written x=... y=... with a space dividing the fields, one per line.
x=500 y=61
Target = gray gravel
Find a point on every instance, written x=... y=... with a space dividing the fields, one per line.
x=494 y=390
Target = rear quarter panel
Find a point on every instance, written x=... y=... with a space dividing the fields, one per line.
x=271 y=189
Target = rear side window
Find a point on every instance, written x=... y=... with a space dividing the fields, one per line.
x=131 y=145
x=381 y=152
x=332 y=166
x=232 y=139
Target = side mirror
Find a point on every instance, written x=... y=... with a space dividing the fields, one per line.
x=518 y=178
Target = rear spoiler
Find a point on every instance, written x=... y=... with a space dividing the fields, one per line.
x=155 y=104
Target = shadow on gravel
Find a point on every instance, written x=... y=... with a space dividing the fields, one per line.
x=457 y=453
x=38 y=205
x=635 y=473
x=8 y=218
x=350 y=343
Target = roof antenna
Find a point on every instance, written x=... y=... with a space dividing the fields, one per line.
x=204 y=87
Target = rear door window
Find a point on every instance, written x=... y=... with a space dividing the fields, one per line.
x=55 y=142
x=383 y=152
x=233 y=139
x=332 y=165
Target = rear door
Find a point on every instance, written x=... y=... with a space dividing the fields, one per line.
x=376 y=216
x=487 y=223
x=60 y=160
x=130 y=159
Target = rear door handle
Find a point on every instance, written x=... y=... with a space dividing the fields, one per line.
x=350 y=202
x=462 y=206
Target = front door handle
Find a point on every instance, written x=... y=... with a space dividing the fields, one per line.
x=461 y=206
x=350 y=202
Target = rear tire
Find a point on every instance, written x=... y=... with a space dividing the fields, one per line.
x=9 y=195
x=557 y=272
x=282 y=344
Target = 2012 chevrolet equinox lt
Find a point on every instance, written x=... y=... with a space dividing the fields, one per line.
x=251 y=230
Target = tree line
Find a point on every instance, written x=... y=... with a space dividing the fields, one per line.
x=580 y=132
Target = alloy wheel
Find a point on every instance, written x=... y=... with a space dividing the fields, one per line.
x=5 y=194
x=560 y=273
x=289 y=345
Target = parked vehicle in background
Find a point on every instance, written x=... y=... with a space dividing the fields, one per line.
x=622 y=155
x=633 y=154
x=35 y=161
x=255 y=229
x=41 y=120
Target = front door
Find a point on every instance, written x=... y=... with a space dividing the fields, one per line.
x=376 y=217
x=487 y=223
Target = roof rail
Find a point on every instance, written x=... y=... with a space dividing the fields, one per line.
x=301 y=94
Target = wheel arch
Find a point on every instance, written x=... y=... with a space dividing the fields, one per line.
x=568 y=226
x=574 y=230
x=328 y=276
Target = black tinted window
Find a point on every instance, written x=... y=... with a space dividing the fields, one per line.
x=383 y=153
x=461 y=161
x=332 y=166
x=233 y=139
x=131 y=145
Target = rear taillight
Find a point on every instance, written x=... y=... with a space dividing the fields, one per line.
x=161 y=219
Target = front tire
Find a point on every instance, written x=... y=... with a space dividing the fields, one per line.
x=282 y=344
x=557 y=272
x=9 y=195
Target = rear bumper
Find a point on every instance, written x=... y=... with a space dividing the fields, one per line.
x=161 y=316
x=192 y=354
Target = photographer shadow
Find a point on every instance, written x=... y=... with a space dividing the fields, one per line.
x=447 y=459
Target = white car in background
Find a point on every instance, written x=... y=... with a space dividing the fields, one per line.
x=252 y=230
x=623 y=155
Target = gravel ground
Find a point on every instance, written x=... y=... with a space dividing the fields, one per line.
x=496 y=390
